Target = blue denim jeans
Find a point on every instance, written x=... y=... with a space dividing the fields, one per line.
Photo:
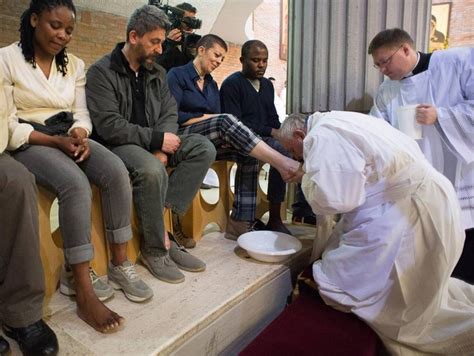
x=69 y=180
x=153 y=190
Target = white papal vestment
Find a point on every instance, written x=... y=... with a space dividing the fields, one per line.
x=390 y=257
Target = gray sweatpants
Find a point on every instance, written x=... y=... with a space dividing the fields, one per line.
x=21 y=271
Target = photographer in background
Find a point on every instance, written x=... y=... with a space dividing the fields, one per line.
x=180 y=45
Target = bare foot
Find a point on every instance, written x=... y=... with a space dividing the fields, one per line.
x=96 y=314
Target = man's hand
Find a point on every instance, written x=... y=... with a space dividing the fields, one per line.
x=162 y=157
x=171 y=143
x=426 y=114
x=175 y=35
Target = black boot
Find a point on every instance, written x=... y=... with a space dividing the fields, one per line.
x=4 y=346
x=35 y=339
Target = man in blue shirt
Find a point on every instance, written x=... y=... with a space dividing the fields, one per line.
x=250 y=97
x=199 y=111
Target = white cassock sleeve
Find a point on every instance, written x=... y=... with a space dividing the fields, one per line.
x=455 y=122
x=334 y=181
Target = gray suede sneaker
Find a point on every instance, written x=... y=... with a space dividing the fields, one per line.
x=184 y=259
x=68 y=286
x=163 y=267
x=125 y=277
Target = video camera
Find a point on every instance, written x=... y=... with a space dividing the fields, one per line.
x=176 y=16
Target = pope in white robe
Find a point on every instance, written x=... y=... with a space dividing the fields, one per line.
x=448 y=144
x=390 y=257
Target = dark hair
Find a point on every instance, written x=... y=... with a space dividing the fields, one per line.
x=433 y=18
x=208 y=41
x=146 y=19
x=186 y=7
x=27 y=31
x=393 y=37
x=247 y=46
x=271 y=78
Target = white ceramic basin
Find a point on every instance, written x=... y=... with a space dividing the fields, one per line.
x=269 y=246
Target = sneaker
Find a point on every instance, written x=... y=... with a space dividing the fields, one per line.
x=235 y=228
x=35 y=339
x=163 y=267
x=184 y=259
x=68 y=286
x=125 y=277
x=309 y=220
x=180 y=237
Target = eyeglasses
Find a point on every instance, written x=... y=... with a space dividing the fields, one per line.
x=387 y=61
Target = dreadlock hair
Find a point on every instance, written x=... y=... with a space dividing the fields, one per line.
x=27 y=31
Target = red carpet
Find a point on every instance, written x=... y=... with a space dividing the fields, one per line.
x=309 y=327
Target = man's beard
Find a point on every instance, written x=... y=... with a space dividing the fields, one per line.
x=143 y=58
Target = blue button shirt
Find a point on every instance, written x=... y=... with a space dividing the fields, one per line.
x=192 y=102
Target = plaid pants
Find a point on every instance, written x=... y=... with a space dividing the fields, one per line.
x=233 y=141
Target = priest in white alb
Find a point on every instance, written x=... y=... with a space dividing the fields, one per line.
x=442 y=84
x=390 y=257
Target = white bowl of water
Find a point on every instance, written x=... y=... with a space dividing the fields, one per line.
x=269 y=246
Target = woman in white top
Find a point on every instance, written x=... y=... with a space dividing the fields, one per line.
x=49 y=126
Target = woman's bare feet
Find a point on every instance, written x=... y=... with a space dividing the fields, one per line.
x=96 y=314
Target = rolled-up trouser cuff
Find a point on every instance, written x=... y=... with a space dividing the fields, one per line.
x=79 y=254
x=119 y=236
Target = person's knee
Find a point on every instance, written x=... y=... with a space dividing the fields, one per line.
x=201 y=147
x=77 y=187
x=19 y=181
x=116 y=172
x=151 y=175
x=227 y=121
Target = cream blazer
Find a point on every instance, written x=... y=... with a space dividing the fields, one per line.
x=34 y=98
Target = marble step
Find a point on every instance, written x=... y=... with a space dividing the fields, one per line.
x=218 y=311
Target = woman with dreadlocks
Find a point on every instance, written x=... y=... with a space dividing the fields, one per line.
x=49 y=126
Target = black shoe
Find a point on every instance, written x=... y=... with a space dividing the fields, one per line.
x=309 y=220
x=35 y=339
x=4 y=346
x=258 y=225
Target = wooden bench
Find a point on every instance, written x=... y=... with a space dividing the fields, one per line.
x=201 y=212
x=51 y=244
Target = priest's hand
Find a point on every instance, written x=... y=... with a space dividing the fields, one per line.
x=298 y=176
x=426 y=114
